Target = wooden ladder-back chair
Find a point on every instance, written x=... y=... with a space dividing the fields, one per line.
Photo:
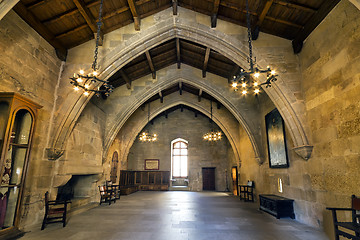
x=55 y=211
x=246 y=192
x=348 y=229
x=106 y=194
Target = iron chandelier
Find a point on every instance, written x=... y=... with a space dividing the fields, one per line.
x=248 y=80
x=145 y=136
x=213 y=135
x=90 y=82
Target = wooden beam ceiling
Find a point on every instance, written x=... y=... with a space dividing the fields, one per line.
x=290 y=19
x=35 y=23
x=313 y=22
x=292 y=4
x=175 y=6
x=200 y=93
x=215 y=13
x=178 y=53
x=125 y=78
x=206 y=60
x=256 y=29
x=84 y=11
x=151 y=65
x=135 y=14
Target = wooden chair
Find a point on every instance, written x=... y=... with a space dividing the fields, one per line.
x=114 y=189
x=352 y=227
x=55 y=211
x=246 y=192
x=106 y=194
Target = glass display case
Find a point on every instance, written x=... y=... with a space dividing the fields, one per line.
x=17 y=121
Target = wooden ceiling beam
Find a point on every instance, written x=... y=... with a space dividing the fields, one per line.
x=151 y=65
x=175 y=6
x=312 y=23
x=76 y=10
x=161 y=97
x=116 y=12
x=284 y=22
x=180 y=88
x=71 y=31
x=37 y=4
x=215 y=13
x=84 y=11
x=135 y=14
x=206 y=60
x=35 y=23
x=256 y=29
x=200 y=94
x=125 y=78
x=178 y=58
x=291 y=4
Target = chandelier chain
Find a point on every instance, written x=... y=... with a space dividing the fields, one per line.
x=99 y=23
x=249 y=35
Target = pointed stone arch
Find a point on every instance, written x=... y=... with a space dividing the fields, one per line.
x=139 y=120
x=284 y=99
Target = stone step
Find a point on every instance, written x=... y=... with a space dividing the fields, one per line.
x=179 y=188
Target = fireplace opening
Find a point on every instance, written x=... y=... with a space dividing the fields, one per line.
x=78 y=187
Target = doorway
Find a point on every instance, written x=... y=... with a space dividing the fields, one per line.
x=208 y=179
x=234 y=177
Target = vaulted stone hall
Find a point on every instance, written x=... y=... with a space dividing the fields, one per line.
x=181 y=111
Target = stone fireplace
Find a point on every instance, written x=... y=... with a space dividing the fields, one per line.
x=80 y=189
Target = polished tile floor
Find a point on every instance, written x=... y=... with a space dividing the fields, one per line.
x=177 y=215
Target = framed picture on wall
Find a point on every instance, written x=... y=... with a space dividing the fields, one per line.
x=275 y=131
x=152 y=164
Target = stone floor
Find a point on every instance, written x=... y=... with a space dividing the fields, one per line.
x=177 y=215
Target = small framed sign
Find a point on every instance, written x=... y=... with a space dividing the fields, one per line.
x=152 y=164
x=275 y=132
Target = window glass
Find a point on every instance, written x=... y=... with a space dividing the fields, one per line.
x=180 y=159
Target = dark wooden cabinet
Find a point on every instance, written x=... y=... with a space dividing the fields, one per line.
x=277 y=206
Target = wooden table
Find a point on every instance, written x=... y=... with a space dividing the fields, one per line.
x=277 y=205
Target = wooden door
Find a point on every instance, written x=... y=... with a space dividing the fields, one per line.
x=234 y=177
x=208 y=178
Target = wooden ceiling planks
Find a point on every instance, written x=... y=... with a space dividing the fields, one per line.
x=68 y=23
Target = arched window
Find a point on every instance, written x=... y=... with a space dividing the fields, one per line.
x=179 y=158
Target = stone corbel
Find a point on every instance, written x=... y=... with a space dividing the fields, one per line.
x=260 y=160
x=54 y=154
x=304 y=151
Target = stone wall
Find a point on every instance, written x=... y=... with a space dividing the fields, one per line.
x=331 y=86
x=29 y=66
x=201 y=154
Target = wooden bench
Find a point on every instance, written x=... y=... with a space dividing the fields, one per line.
x=246 y=192
x=348 y=229
x=55 y=211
